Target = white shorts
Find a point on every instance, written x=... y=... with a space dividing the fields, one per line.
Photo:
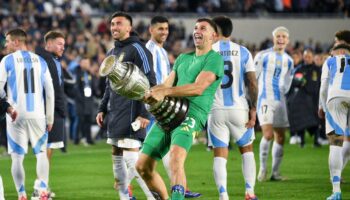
x=21 y=131
x=273 y=112
x=124 y=142
x=338 y=116
x=226 y=122
x=55 y=145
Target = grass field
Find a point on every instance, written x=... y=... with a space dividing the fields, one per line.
x=86 y=173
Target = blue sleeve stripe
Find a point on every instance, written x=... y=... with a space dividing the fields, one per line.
x=144 y=58
x=11 y=79
x=43 y=65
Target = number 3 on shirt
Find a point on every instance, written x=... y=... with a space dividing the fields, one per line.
x=228 y=74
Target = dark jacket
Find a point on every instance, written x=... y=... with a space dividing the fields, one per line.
x=57 y=81
x=303 y=97
x=121 y=112
x=84 y=104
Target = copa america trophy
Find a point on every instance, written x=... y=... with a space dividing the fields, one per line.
x=129 y=81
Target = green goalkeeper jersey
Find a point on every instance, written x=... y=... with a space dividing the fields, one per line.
x=187 y=67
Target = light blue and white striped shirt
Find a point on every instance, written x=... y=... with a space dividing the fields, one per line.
x=237 y=61
x=274 y=73
x=27 y=77
x=161 y=64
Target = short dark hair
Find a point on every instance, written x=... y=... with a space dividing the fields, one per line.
x=210 y=22
x=121 y=14
x=341 y=46
x=159 y=19
x=17 y=33
x=51 y=35
x=343 y=35
x=224 y=24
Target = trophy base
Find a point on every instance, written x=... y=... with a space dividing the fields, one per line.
x=170 y=113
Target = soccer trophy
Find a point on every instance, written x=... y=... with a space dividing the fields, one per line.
x=129 y=81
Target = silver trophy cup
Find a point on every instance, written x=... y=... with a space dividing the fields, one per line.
x=129 y=81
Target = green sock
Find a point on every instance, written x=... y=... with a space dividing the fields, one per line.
x=177 y=192
x=177 y=196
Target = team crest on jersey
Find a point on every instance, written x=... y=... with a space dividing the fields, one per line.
x=278 y=62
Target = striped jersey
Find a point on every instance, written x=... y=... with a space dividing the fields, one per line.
x=161 y=64
x=336 y=72
x=274 y=73
x=27 y=78
x=237 y=61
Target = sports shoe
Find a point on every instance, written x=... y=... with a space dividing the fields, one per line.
x=262 y=175
x=51 y=193
x=189 y=194
x=335 y=196
x=156 y=195
x=250 y=197
x=43 y=196
x=22 y=197
x=130 y=193
x=277 y=177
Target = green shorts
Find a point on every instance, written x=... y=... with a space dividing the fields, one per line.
x=157 y=142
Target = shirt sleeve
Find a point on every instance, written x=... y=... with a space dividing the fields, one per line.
x=50 y=97
x=258 y=61
x=249 y=65
x=144 y=60
x=289 y=77
x=215 y=64
x=105 y=99
x=324 y=85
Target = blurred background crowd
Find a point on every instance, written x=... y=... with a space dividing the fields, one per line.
x=85 y=24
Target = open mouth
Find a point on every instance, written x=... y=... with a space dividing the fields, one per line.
x=198 y=37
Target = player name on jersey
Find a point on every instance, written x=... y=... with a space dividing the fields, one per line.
x=27 y=60
x=228 y=53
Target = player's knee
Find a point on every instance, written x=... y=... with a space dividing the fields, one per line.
x=143 y=170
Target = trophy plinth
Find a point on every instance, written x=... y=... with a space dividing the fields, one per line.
x=128 y=80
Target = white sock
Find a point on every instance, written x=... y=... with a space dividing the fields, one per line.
x=335 y=161
x=42 y=170
x=121 y=174
x=166 y=163
x=1 y=190
x=346 y=153
x=249 y=171
x=37 y=184
x=264 y=152
x=18 y=173
x=277 y=155
x=130 y=158
x=220 y=176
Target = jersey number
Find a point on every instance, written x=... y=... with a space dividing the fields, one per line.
x=228 y=73
x=343 y=64
x=277 y=72
x=26 y=81
x=264 y=109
